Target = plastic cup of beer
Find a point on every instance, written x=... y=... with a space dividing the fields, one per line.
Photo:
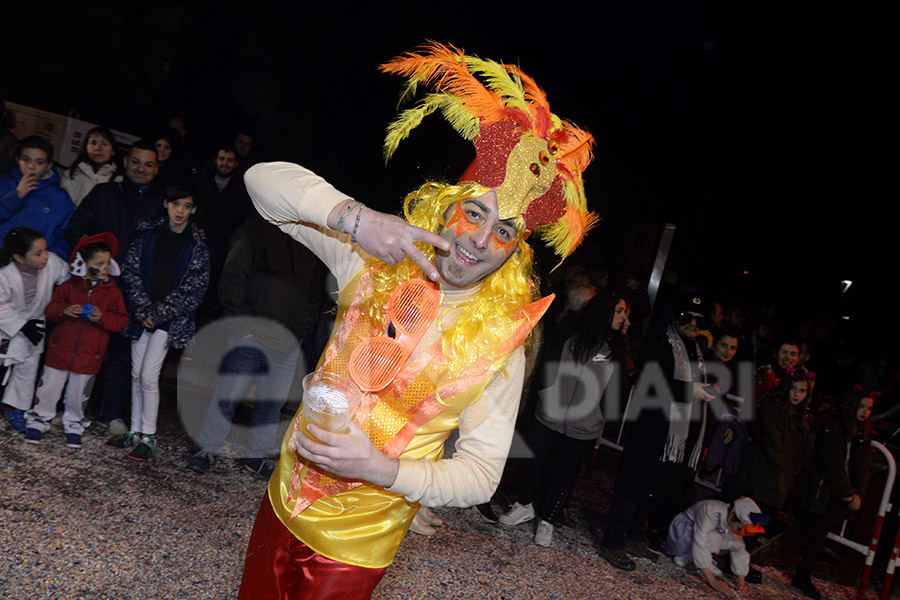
x=329 y=401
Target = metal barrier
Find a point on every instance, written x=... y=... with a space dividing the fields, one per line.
x=869 y=552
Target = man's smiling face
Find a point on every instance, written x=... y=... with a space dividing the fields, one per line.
x=479 y=241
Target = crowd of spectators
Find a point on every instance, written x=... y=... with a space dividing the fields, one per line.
x=179 y=219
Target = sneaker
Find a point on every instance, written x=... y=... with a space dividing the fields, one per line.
x=33 y=436
x=421 y=526
x=15 y=418
x=616 y=558
x=681 y=561
x=118 y=427
x=145 y=450
x=486 y=512
x=519 y=513
x=121 y=442
x=427 y=515
x=261 y=467
x=73 y=440
x=637 y=547
x=56 y=421
x=804 y=583
x=544 y=534
x=201 y=460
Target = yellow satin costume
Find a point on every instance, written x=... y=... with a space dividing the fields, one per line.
x=357 y=522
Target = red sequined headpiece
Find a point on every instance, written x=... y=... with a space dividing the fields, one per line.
x=531 y=158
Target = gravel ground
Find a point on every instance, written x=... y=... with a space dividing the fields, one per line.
x=91 y=524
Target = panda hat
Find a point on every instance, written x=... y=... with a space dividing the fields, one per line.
x=77 y=265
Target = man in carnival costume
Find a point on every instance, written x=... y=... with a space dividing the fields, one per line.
x=336 y=512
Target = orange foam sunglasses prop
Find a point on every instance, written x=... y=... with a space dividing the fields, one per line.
x=752 y=529
x=412 y=308
x=757 y=525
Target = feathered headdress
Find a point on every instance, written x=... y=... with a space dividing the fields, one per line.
x=531 y=158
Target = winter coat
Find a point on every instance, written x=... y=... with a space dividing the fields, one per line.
x=115 y=207
x=840 y=462
x=13 y=312
x=642 y=460
x=177 y=309
x=766 y=379
x=78 y=345
x=46 y=209
x=269 y=274
x=729 y=456
x=81 y=179
x=775 y=459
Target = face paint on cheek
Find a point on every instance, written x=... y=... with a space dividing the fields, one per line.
x=500 y=245
x=93 y=271
x=458 y=219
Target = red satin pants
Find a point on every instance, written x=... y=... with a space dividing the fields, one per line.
x=278 y=566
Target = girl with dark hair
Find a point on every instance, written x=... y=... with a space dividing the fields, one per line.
x=95 y=163
x=834 y=484
x=580 y=358
x=729 y=440
x=774 y=461
x=28 y=273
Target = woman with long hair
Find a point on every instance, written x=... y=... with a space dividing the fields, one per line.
x=580 y=358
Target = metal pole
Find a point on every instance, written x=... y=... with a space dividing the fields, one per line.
x=659 y=265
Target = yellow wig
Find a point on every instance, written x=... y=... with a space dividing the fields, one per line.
x=487 y=319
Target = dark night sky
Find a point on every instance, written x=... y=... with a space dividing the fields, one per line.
x=762 y=132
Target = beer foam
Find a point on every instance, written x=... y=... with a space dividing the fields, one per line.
x=328 y=396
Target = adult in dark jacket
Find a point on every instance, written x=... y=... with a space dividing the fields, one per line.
x=271 y=290
x=30 y=196
x=222 y=205
x=835 y=482
x=775 y=459
x=116 y=207
x=665 y=442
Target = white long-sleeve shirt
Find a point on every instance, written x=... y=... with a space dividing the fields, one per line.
x=299 y=202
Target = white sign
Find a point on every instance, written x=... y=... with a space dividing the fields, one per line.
x=65 y=133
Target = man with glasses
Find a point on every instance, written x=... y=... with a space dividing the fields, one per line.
x=664 y=446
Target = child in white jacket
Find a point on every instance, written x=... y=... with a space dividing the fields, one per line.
x=711 y=527
x=28 y=274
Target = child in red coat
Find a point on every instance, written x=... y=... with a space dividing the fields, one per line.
x=86 y=309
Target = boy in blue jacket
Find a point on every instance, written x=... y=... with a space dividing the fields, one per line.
x=30 y=196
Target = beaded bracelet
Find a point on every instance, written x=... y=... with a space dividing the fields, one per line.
x=356 y=225
x=340 y=223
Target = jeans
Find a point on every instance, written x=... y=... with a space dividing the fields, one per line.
x=245 y=359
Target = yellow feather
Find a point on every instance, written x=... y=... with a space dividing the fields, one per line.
x=398 y=130
x=470 y=90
